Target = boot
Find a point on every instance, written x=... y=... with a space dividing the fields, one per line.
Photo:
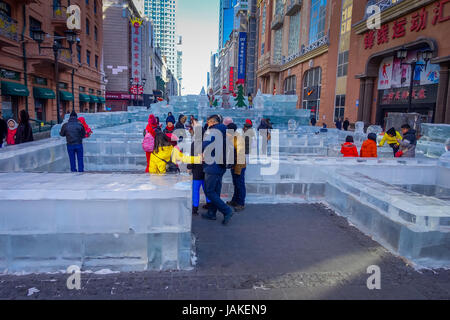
x=232 y=203
x=206 y=206
x=195 y=211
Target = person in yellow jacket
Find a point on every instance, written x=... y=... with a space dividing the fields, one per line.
x=165 y=152
x=391 y=136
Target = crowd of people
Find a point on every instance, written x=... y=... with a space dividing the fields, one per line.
x=13 y=133
x=402 y=146
x=163 y=152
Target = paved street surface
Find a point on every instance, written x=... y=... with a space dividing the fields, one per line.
x=266 y=252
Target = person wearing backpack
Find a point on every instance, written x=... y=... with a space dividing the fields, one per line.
x=149 y=138
x=165 y=155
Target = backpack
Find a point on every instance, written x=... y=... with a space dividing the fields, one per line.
x=148 y=144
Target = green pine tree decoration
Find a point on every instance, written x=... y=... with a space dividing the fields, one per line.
x=215 y=103
x=240 y=97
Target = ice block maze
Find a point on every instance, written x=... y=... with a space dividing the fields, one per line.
x=120 y=222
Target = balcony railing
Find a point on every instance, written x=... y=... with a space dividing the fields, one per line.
x=277 y=21
x=59 y=13
x=293 y=7
x=8 y=27
x=305 y=49
x=382 y=4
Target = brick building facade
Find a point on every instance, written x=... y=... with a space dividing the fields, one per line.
x=28 y=74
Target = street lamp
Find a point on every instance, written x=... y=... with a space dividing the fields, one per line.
x=426 y=56
x=39 y=36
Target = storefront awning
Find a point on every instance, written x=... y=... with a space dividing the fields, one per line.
x=43 y=93
x=85 y=97
x=94 y=99
x=14 y=89
x=101 y=99
x=65 y=95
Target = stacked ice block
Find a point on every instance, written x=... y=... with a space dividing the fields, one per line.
x=432 y=142
x=96 y=221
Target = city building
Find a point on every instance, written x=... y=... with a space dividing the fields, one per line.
x=415 y=31
x=31 y=32
x=297 y=52
x=226 y=20
x=124 y=59
x=163 y=16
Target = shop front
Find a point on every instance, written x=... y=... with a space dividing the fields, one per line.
x=66 y=99
x=42 y=107
x=13 y=96
x=118 y=101
x=402 y=66
x=84 y=100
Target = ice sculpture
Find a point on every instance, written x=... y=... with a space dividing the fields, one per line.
x=432 y=142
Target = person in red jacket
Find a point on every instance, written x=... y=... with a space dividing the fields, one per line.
x=86 y=127
x=152 y=127
x=369 y=147
x=348 y=148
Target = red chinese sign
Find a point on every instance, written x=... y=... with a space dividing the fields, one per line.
x=136 y=53
x=231 y=86
x=418 y=21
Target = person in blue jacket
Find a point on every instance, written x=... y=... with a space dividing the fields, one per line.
x=214 y=171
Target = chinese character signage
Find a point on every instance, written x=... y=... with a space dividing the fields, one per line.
x=420 y=94
x=231 y=79
x=136 y=52
x=416 y=22
x=242 y=56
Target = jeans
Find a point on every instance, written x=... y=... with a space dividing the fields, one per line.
x=239 y=187
x=72 y=150
x=196 y=184
x=213 y=188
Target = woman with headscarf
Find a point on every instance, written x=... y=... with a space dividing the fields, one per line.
x=24 y=132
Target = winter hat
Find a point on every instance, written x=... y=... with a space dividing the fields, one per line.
x=232 y=126
x=15 y=124
x=227 y=121
x=391 y=132
x=248 y=123
x=372 y=136
x=73 y=114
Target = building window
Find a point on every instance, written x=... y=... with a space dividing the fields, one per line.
x=317 y=20
x=87 y=26
x=96 y=62
x=95 y=6
x=279 y=6
x=277 y=46
x=294 y=34
x=342 y=64
x=263 y=28
x=88 y=57
x=339 y=107
x=82 y=89
x=262 y=48
x=5 y=9
x=312 y=85
x=87 y=2
x=290 y=84
x=95 y=33
x=34 y=25
x=79 y=53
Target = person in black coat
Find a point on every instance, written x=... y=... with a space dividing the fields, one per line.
x=24 y=131
x=346 y=124
x=198 y=176
x=181 y=121
x=3 y=129
x=74 y=132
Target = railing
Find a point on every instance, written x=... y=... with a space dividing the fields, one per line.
x=41 y=126
x=8 y=27
x=65 y=55
x=59 y=13
x=382 y=4
x=305 y=49
x=278 y=21
x=293 y=7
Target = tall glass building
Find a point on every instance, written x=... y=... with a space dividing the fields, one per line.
x=163 y=15
x=226 y=20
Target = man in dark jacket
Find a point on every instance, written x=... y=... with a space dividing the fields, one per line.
x=74 y=132
x=408 y=144
x=214 y=171
x=3 y=129
x=181 y=121
x=24 y=131
x=346 y=124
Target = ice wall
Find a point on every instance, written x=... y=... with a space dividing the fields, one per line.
x=96 y=221
x=432 y=143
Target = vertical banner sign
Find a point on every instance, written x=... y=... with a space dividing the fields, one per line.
x=242 y=56
x=231 y=86
x=136 y=45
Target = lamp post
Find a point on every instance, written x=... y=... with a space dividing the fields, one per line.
x=137 y=84
x=39 y=36
x=426 y=55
